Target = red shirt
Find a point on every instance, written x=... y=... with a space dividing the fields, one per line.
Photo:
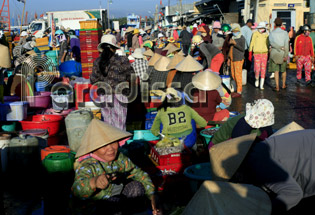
x=303 y=45
x=206 y=109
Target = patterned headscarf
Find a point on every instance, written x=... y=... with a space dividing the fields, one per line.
x=260 y=113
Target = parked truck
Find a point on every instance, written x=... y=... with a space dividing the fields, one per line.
x=67 y=19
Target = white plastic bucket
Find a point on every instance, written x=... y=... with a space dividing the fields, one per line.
x=18 y=111
x=244 y=77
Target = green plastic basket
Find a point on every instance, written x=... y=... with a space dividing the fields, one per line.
x=207 y=137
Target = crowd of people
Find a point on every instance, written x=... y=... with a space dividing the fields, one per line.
x=181 y=66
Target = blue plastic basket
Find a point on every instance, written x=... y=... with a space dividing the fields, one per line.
x=70 y=68
x=144 y=135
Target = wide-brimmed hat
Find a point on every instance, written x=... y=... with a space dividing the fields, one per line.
x=261 y=25
x=293 y=126
x=99 y=134
x=226 y=157
x=175 y=60
x=154 y=59
x=172 y=49
x=23 y=34
x=138 y=53
x=260 y=113
x=206 y=80
x=5 y=58
x=169 y=45
x=149 y=53
x=225 y=198
x=107 y=39
x=136 y=31
x=189 y=64
x=173 y=93
x=162 y=63
x=147 y=28
x=235 y=27
x=148 y=43
x=130 y=29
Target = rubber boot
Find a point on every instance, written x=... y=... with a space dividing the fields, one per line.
x=257 y=83
x=262 y=81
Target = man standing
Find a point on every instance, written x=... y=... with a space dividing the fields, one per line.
x=147 y=34
x=185 y=36
x=135 y=39
x=279 y=42
x=304 y=55
x=247 y=33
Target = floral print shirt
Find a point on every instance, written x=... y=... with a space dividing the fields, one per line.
x=90 y=167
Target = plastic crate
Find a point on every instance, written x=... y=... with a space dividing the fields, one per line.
x=87 y=69
x=173 y=158
x=91 y=29
x=151 y=115
x=91 y=24
x=90 y=54
x=88 y=47
x=152 y=105
x=88 y=37
x=84 y=65
x=90 y=32
x=87 y=61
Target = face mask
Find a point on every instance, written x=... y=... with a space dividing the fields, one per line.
x=261 y=30
x=307 y=33
x=236 y=34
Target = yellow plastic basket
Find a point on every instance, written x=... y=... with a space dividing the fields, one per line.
x=92 y=24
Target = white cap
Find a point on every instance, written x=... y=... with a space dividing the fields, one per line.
x=160 y=35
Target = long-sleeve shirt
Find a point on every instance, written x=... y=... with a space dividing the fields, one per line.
x=135 y=42
x=209 y=51
x=283 y=165
x=247 y=33
x=259 y=43
x=303 y=45
x=91 y=167
x=118 y=70
x=217 y=40
x=176 y=120
x=279 y=40
x=185 y=36
x=239 y=49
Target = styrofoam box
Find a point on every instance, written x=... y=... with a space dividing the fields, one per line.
x=18 y=111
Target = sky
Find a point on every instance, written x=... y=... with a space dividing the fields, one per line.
x=119 y=8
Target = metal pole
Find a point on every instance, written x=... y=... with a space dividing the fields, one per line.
x=108 y=14
x=22 y=16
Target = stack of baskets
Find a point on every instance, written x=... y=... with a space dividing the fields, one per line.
x=90 y=37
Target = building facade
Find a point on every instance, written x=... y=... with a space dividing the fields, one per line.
x=293 y=12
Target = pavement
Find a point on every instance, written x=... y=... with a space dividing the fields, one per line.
x=295 y=103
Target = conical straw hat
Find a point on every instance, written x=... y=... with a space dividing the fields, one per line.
x=99 y=134
x=226 y=157
x=189 y=64
x=161 y=65
x=5 y=59
x=169 y=45
x=225 y=198
x=293 y=126
x=181 y=53
x=148 y=52
x=206 y=80
x=154 y=59
x=172 y=49
x=175 y=60
x=129 y=29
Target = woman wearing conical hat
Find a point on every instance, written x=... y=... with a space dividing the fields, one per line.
x=185 y=72
x=175 y=60
x=158 y=77
x=106 y=181
x=208 y=99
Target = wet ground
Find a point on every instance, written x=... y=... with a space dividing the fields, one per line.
x=296 y=103
x=51 y=193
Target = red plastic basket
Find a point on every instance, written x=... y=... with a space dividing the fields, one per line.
x=90 y=54
x=49 y=122
x=174 y=158
x=90 y=32
x=89 y=60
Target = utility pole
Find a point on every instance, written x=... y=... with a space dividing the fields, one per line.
x=180 y=11
x=22 y=16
